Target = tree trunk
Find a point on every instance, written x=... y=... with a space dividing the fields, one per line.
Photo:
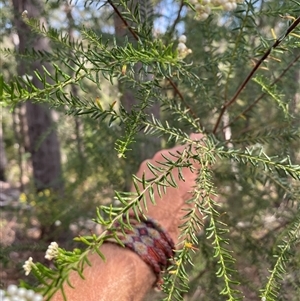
x=74 y=89
x=43 y=141
x=3 y=160
x=44 y=147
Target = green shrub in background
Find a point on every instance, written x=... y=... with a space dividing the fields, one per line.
x=234 y=76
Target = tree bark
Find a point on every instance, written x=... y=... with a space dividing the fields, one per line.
x=43 y=141
x=3 y=160
x=74 y=89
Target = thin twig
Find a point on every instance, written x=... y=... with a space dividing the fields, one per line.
x=263 y=94
x=177 y=92
x=123 y=20
x=245 y=82
x=169 y=80
x=172 y=29
x=182 y=98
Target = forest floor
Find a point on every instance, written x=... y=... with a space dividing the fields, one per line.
x=17 y=243
x=20 y=240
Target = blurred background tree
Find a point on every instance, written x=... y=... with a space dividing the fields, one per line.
x=63 y=167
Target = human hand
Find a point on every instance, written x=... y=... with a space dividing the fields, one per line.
x=168 y=210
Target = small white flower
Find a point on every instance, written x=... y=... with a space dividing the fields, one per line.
x=228 y=6
x=203 y=12
x=57 y=223
x=52 y=251
x=17 y=298
x=202 y=17
x=181 y=47
x=183 y=51
x=28 y=266
x=199 y=7
x=21 y=292
x=207 y=10
x=37 y=297
x=234 y=5
x=15 y=293
x=24 y=14
x=12 y=289
x=30 y=294
x=182 y=39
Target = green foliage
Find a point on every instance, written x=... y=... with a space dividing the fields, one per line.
x=278 y=273
x=248 y=159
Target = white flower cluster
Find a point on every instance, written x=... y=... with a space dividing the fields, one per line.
x=204 y=7
x=183 y=51
x=52 y=251
x=14 y=293
x=28 y=266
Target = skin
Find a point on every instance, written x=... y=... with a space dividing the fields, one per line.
x=123 y=276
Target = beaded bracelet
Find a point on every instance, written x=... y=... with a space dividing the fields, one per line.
x=149 y=240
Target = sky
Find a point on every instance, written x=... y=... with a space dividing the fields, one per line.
x=166 y=10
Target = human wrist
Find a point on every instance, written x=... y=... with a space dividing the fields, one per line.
x=148 y=239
